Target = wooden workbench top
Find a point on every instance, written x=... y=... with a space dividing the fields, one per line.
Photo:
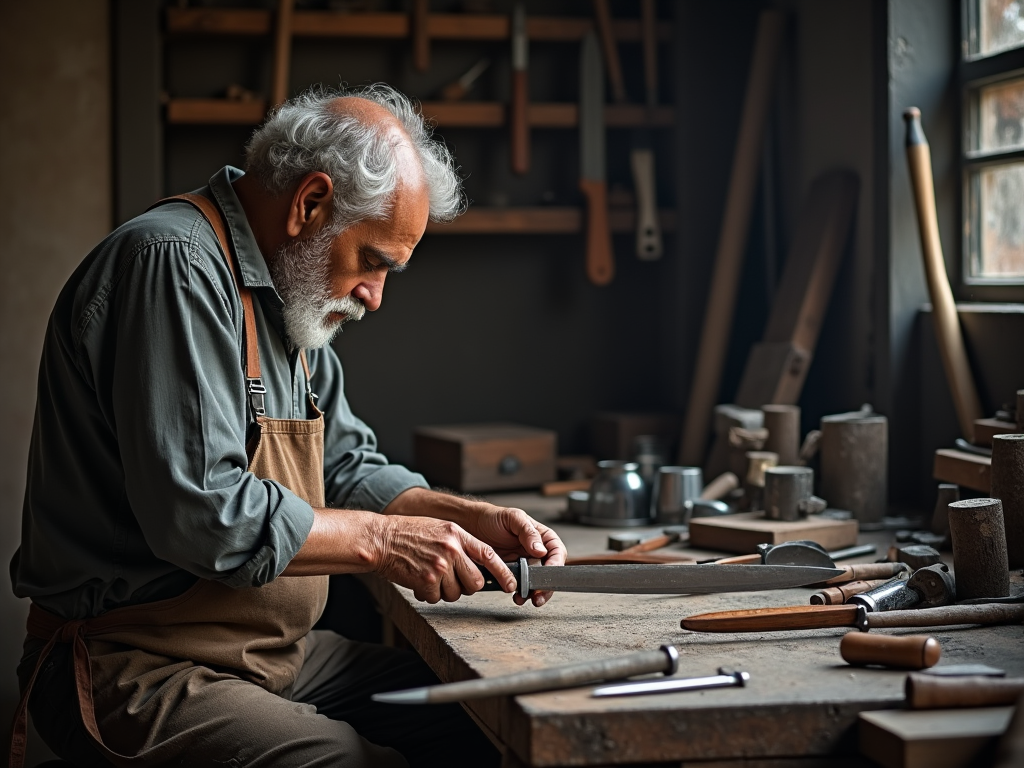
x=802 y=699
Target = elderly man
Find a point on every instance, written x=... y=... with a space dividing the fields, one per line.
x=195 y=471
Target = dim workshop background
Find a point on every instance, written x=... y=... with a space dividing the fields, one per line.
x=731 y=209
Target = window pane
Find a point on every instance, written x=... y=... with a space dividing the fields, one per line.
x=1001 y=25
x=1001 y=116
x=999 y=247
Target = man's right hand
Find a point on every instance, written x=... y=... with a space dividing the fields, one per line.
x=436 y=559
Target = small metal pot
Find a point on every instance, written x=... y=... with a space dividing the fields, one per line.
x=674 y=487
x=617 y=496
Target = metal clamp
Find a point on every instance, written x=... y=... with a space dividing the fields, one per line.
x=257 y=396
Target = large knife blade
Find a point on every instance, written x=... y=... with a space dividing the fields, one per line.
x=600 y=264
x=658 y=579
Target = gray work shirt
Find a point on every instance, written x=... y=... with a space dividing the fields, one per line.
x=137 y=480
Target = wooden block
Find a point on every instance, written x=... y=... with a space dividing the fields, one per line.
x=985 y=429
x=216 y=111
x=743 y=532
x=948 y=738
x=967 y=469
x=485 y=457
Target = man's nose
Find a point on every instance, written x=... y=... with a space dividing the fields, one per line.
x=370 y=292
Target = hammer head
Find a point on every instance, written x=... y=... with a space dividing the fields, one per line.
x=935 y=584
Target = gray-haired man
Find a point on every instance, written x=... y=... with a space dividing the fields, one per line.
x=177 y=533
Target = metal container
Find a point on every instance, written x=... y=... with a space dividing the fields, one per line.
x=673 y=488
x=784 y=489
x=649 y=455
x=617 y=496
x=577 y=506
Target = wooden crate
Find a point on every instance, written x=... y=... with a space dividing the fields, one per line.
x=485 y=457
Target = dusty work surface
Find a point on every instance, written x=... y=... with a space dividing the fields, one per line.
x=802 y=699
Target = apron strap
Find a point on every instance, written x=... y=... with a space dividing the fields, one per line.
x=253 y=378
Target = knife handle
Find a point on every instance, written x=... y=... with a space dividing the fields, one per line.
x=600 y=261
x=520 y=138
x=491 y=584
x=773 y=619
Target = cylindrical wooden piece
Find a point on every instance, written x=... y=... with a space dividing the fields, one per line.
x=732 y=240
x=947 y=322
x=784 y=489
x=898 y=652
x=934 y=692
x=863 y=571
x=1008 y=487
x=720 y=487
x=948 y=493
x=854 y=464
x=979 y=549
x=839 y=595
x=783 y=425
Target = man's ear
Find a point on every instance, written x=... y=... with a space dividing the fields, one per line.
x=310 y=205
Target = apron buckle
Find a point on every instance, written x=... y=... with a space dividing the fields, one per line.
x=257 y=397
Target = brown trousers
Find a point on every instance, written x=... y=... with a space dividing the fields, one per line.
x=207 y=718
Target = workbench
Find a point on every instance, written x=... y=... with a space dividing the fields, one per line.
x=799 y=708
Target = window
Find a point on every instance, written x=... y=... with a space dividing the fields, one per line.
x=992 y=75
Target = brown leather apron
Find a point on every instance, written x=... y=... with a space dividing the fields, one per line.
x=257 y=633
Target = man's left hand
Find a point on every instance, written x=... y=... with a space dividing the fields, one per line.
x=510 y=531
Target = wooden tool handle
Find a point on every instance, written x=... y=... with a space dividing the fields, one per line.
x=600 y=260
x=906 y=652
x=611 y=52
x=649 y=545
x=947 y=323
x=933 y=692
x=518 y=123
x=839 y=594
x=867 y=571
x=948 y=615
x=721 y=486
x=740 y=560
x=773 y=619
x=648 y=228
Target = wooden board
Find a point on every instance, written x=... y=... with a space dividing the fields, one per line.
x=945 y=738
x=743 y=532
x=963 y=468
x=986 y=429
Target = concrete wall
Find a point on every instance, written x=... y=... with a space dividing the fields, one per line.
x=55 y=203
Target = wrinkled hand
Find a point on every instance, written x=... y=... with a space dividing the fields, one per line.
x=515 y=534
x=435 y=558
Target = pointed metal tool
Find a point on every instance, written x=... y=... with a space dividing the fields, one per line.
x=724 y=679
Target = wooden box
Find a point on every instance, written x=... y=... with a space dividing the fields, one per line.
x=485 y=457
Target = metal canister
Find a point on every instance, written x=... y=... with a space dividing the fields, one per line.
x=673 y=488
x=617 y=496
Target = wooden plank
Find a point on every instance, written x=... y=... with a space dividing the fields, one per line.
x=967 y=469
x=537 y=221
x=986 y=429
x=215 y=112
x=481 y=27
x=743 y=532
x=802 y=299
x=950 y=738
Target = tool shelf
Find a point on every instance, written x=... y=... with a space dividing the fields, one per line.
x=520 y=220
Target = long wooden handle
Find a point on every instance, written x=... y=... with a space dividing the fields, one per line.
x=947 y=323
x=611 y=52
x=518 y=123
x=867 y=571
x=948 y=615
x=740 y=560
x=720 y=487
x=600 y=260
x=282 y=52
x=773 y=619
x=732 y=240
x=898 y=652
x=839 y=594
x=933 y=692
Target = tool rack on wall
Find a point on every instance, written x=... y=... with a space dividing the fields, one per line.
x=420 y=28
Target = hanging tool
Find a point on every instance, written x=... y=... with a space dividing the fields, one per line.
x=721 y=297
x=904 y=652
x=456 y=90
x=600 y=258
x=517 y=113
x=664 y=660
x=823 y=616
x=641 y=159
x=656 y=579
x=724 y=679
x=947 y=322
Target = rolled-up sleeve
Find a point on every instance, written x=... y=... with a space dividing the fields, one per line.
x=356 y=474
x=180 y=412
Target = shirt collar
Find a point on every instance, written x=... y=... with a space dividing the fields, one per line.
x=251 y=263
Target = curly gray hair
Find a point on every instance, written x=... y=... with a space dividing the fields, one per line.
x=305 y=135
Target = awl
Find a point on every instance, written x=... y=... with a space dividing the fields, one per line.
x=724 y=679
x=665 y=659
x=658 y=579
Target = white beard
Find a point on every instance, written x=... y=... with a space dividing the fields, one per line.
x=301 y=274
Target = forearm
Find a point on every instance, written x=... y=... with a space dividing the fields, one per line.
x=340 y=541
x=418 y=502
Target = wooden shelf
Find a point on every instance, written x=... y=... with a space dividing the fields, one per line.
x=457 y=114
x=537 y=221
x=440 y=26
